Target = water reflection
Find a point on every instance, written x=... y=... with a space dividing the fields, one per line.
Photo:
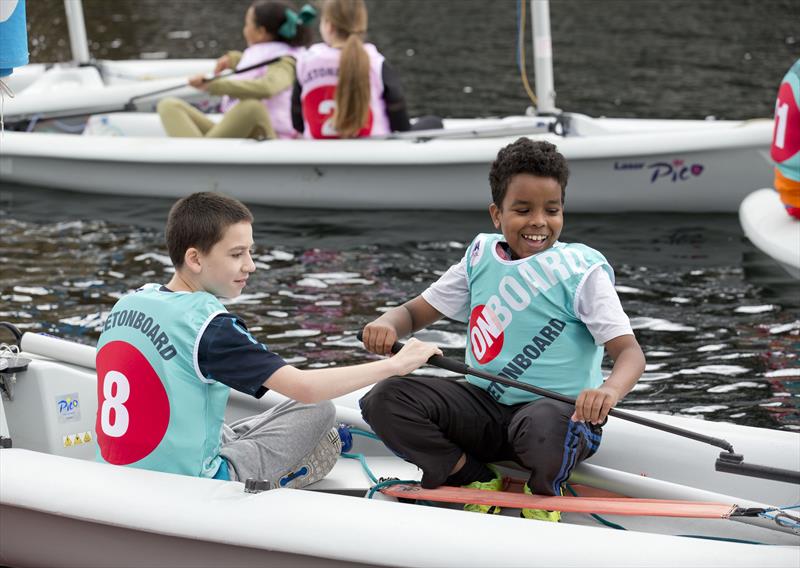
x=717 y=344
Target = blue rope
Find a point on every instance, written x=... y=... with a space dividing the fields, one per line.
x=388 y=483
x=363 y=460
x=363 y=433
x=774 y=514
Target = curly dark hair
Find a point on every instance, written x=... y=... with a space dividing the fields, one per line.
x=524 y=156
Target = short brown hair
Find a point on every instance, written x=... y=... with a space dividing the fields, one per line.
x=199 y=220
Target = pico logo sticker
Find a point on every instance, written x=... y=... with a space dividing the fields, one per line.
x=485 y=334
x=133 y=406
x=674 y=171
x=68 y=407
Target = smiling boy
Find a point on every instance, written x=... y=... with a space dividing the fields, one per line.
x=539 y=311
x=169 y=354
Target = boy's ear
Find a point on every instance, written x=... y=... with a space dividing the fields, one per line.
x=191 y=260
x=494 y=213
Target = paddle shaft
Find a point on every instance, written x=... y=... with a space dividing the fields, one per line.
x=206 y=80
x=728 y=463
x=459 y=367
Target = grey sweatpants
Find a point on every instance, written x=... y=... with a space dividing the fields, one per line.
x=271 y=444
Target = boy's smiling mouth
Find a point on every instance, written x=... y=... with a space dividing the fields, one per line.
x=535 y=238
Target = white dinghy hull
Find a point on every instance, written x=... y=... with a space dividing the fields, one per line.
x=616 y=164
x=66 y=512
x=773 y=231
x=60 y=508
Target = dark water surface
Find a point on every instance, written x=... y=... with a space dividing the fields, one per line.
x=627 y=58
x=719 y=323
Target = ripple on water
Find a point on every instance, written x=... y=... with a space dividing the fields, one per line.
x=658 y=324
x=755 y=309
x=63 y=278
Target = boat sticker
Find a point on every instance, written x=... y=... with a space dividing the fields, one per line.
x=79 y=439
x=68 y=407
x=673 y=171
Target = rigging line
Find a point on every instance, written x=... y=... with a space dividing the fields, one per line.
x=522 y=70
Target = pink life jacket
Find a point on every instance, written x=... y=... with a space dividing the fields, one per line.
x=318 y=73
x=280 y=104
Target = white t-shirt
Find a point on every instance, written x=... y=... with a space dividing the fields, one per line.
x=597 y=304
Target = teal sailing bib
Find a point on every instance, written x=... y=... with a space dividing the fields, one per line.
x=155 y=410
x=523 y=324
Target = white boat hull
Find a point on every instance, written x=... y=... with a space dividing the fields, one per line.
x=60 y=508
x=773 y=231
x=66 y=89
x=617 y=165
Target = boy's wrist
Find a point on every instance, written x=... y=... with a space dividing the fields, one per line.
x=610 y=388
x=391 y=367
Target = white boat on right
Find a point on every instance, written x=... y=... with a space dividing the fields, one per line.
x=768 y=226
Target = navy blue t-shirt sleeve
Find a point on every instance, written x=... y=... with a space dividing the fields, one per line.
x=229 y=354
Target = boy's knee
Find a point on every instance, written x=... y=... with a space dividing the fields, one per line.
x=541 y=420
x=549 y=410
x=319 y=415
x=382 y=393
x=325 y=412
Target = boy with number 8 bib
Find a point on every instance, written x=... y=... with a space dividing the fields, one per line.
x=168 y=356
x=539 y=311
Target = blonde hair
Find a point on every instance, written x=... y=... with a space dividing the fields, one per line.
x=349 y=21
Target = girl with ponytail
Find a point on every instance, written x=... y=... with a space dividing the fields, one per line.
x=255 y=103
x=344 y=87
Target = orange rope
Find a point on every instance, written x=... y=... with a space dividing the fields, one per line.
x=603 y=505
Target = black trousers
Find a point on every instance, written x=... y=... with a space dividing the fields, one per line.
x=430 y=422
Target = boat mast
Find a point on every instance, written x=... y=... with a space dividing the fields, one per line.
x=77 y=31
x=543 y=57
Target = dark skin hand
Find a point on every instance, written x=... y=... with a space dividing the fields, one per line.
x=592 y=405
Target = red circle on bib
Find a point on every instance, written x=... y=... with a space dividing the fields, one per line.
x=485 y=338
x=318 y=109
x=791 y=135
x=146 y=406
